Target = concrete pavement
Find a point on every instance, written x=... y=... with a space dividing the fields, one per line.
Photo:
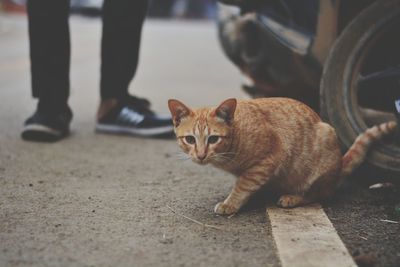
x=101 y=200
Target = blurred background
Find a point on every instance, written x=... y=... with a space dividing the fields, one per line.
x=181 y=9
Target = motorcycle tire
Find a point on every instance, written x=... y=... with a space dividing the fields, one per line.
x=338 y=91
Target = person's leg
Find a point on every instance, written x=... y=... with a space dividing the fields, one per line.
x=50 y=61
x=118 y=111
x=49 y=51
x=122 y=26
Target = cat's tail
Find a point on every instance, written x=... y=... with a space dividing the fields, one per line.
x=358 y=151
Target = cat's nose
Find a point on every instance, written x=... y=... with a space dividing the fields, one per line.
x=201 y=156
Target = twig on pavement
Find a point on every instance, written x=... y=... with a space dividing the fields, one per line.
x=363 y=237
x=389 y=221
x=193 y=220
x=230 y=216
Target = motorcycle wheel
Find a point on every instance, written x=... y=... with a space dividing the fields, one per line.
x=366 y=48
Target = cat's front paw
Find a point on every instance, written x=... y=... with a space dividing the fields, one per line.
x=225 y=209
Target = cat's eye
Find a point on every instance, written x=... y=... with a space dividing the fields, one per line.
x=213 y=139
x=190 y=139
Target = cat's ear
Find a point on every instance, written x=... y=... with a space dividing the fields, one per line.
x=226 y=110
x=178 y=111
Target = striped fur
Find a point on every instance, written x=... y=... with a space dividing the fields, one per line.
x=275 y=142
x=358 y=151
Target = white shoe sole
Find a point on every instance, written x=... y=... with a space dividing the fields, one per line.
x=41 y=133
x=106 y=128
x=42 y=129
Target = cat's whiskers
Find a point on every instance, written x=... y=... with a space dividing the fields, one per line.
x=182 y=156
x=222 y=157
x=227 y=154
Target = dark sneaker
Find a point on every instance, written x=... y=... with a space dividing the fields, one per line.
x=45 y=127
x=134 y=117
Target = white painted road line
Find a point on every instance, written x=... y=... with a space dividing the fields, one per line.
x=305 y=237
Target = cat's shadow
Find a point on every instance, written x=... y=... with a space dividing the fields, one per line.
x=260 y=200
x=267 y=197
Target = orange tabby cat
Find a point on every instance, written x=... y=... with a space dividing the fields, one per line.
x=278 y=142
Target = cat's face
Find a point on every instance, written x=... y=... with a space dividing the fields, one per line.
x=204 y=134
